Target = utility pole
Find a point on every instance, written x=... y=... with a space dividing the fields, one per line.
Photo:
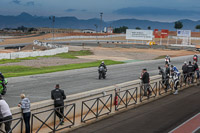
x=101 y=15
x=53 y=23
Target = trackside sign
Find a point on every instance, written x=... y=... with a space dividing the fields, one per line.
x=184 y=33
x=139 y=34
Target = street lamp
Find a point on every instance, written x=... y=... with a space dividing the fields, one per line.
x=101 y=14
x=53 y=21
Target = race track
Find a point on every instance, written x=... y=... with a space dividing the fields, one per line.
x=38 y=87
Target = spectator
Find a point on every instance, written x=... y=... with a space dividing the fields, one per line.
x=145 y=80
x=167 y=74
x=58 y=96
x=25 y=106
x=190 y=72
x=5 y=115
x=196 y=69
x=184 y=69
x=161 y=72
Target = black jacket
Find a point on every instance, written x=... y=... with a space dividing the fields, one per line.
x=190 y=68
x=167 y=72
x=58 y=96
x=145 y=77
x=1 y=77
x=184 y=68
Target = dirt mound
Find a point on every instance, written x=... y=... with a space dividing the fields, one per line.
x=31 y=47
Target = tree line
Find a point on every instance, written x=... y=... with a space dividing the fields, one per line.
x=177 y=25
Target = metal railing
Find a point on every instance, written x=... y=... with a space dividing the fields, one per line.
x=145 y=89
x=52 y=113
x=18 y=121
x=125 y=98
x=165 y=87
x=96 y=110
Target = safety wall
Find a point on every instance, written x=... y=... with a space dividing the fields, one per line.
x=15 y=55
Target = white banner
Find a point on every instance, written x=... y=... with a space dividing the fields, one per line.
x=139 y=34
x=184 y=33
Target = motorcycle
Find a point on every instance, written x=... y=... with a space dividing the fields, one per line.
x=3 y=90
x=102 y=72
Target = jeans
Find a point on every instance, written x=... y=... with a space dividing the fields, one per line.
x=7 y=124
x=27 y=117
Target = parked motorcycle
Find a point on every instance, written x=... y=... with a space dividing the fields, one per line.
x=102 y=72
x=3 y=90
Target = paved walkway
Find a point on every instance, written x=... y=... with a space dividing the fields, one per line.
x=160 y=116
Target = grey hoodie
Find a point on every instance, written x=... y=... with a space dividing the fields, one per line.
x=25 y=105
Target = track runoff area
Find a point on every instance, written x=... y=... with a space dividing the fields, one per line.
x=190 y=126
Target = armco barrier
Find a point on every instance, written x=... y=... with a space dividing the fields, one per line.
x=86 y=108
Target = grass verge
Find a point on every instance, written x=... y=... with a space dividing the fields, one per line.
x=15 y=71
x=160 y=57
x=69 y=55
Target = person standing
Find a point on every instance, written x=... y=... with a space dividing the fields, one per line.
x=184 y=69
x=190 y=71
x=196 y=68
x=58 y=96
x=145 y=80
x=167 y=74
x=5 y=115
x=25 y=106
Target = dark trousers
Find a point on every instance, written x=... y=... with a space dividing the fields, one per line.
x=27 y=117
x=7 y=124
x=60 y=110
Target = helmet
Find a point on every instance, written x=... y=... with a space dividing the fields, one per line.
x=102 y=62
x=0 y=73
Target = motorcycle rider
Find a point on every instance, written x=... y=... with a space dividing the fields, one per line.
x=174 y=71
x=167 y=59
x=184 y=69
x=195 y=58
x=104 y=66
x=2 y=79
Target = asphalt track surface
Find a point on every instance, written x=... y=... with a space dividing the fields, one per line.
x=38 y=87
x=160 y=116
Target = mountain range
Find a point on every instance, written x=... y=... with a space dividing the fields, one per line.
x=27 y=20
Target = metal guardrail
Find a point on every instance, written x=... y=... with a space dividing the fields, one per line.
x=56 y=124
x=18 y=121
x=143 y=91
x=96 y=109
x=126 y=98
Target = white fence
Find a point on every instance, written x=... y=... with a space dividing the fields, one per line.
x=192 y=38
x=45 y=44
x=33 y=54
x=80 y=37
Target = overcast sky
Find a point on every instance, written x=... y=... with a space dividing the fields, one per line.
x=160 y=10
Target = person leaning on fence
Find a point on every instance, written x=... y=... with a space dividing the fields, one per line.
x=184 y=69
x=58 y=96
x=167 y=74
x=25 y=106
x=5 y=115
x=145 y=80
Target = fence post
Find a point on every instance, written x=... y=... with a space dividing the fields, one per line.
x=97 y=108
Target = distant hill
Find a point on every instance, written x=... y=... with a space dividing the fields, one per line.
x=27 y=20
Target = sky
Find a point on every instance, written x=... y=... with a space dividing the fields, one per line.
x=157 y=10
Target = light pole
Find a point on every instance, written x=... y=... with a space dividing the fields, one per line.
x=101 y=15
x=53 y=21
x=96 y=27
